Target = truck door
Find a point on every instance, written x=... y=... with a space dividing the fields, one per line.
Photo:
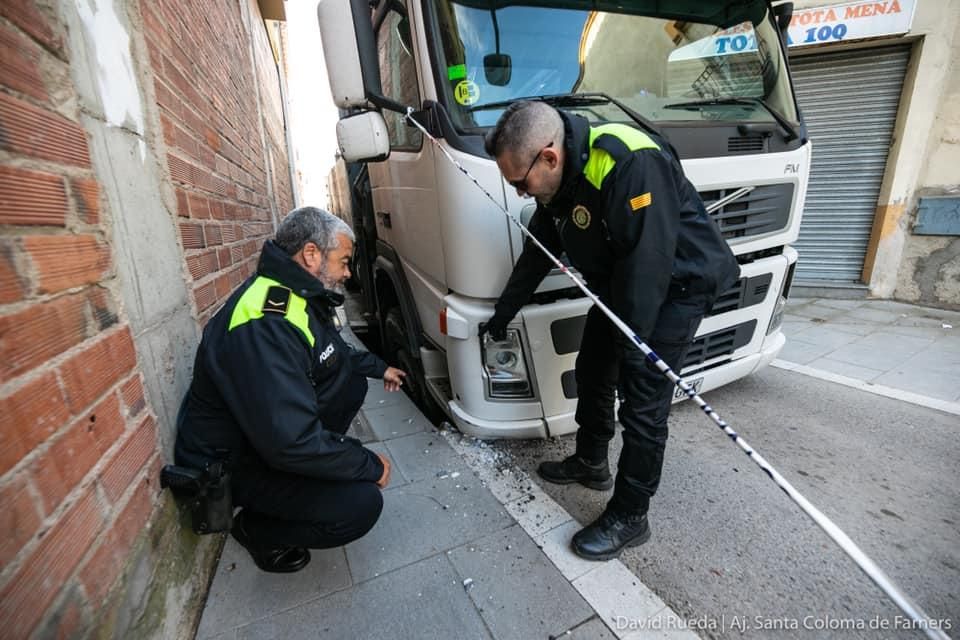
x=404 y=193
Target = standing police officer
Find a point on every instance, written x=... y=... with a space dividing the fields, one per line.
x=274 y=390
x=617 y=202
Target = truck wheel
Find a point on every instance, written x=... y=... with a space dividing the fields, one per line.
x=398 y=354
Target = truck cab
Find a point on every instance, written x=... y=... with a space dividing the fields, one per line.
x=433 y=253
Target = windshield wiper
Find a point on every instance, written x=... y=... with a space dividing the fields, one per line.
x=558 y=100
x=791 y=132
x=575 y=100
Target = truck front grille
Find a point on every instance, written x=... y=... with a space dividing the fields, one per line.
x=718 y=344
x=766 y=209
x=746 y=292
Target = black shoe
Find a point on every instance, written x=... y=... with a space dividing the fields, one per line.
x=276 y=560
x=610 y=534
x=576 y=469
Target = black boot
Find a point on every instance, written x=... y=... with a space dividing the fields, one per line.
x=610 y=534
x=282 y=559
x=576 y=469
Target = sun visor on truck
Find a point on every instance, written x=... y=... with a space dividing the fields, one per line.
x=716 y=12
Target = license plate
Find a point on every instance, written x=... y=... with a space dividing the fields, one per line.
x=696 y=384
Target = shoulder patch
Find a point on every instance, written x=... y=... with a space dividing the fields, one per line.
x=277 y=300
x=641 y=201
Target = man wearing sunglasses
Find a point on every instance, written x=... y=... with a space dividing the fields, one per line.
x=616 y=201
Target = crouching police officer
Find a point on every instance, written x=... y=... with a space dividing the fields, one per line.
x=617 y=202
x=274 y=390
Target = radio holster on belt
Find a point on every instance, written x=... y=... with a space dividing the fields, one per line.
x=207 y=494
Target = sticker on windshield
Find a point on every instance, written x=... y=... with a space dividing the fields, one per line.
x=466 y=92
x=456 y=72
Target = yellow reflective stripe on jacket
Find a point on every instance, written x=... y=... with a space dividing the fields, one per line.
x=600 y=162
x=250 y=307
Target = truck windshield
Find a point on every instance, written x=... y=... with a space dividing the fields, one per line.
x=667 y=70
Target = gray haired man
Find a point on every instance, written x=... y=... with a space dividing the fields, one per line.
x=275 y=388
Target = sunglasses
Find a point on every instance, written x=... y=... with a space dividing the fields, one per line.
x=521 y=184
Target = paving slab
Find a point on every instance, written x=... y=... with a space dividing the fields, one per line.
x=838 y=304
x=613 y=603
x=794 y=326
x=802 y=352
x=360 y=429
x=846 y=369
x=396 y=421
x=555 y=543
x=426 y=456
x=380 y=398
x=397 y=477
x=241 y=593
x=933 y=321
x=424 y=601
x=880 y=350
x=947 y=344
x=848 y=325
x=505 y=564
x=933 y=372
x=814 y=311
x=826 y=336
x=537 y=512
x=878 y=316
x=422 y=519
x=593 y=629
x=917 y=331
x=897 y=307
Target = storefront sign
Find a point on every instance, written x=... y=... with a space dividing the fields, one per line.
x=816 y=25
x=852 y=21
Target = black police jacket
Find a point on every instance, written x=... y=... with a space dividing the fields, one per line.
x=270 y=366
x=629 y=221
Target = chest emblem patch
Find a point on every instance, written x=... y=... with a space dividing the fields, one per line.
x=328 y=356
x=580 y=216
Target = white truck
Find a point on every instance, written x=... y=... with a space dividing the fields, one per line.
x=433 y=253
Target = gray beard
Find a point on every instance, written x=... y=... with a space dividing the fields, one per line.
x=329 y=283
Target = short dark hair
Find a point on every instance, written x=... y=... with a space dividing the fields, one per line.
x=310 y=224
x=524 y=127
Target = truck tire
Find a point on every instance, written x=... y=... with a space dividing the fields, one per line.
x=397 y=352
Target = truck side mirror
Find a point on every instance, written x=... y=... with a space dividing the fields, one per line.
x=363 y=137
x=350 y=52
x=497 y=69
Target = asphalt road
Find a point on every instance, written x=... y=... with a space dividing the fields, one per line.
x=736 y=558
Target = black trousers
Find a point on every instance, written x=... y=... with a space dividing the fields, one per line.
x=285 y=509
x=608 y=361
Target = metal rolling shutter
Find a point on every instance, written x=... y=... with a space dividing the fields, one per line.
x=850 y=104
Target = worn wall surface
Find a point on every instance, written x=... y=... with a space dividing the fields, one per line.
x=142 y=164
x=930 y=270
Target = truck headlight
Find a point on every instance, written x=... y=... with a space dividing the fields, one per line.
x=504 y=367
x=777 y=318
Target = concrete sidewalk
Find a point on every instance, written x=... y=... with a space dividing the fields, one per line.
x=898 y=350
x=469 y=547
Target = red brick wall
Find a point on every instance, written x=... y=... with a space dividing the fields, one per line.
x=79 y=446
x=210 y=108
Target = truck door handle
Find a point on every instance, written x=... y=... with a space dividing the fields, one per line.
x=384 y=218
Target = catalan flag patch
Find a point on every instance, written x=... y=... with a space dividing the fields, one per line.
x=641 y=201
